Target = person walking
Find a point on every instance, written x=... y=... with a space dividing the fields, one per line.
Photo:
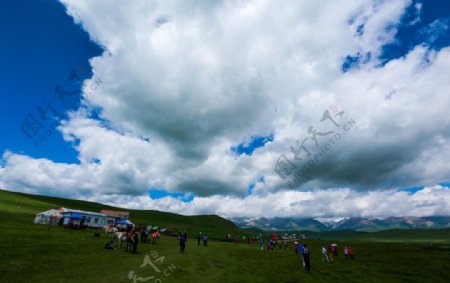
x=306 y=258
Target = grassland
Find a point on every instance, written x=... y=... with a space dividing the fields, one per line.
x=37 y=253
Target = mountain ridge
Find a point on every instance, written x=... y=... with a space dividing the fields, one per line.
x=367 y=224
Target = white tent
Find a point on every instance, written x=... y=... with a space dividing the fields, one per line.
x=87 y=218
x=49 y=217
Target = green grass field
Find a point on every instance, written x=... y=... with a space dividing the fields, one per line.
x=35 y=253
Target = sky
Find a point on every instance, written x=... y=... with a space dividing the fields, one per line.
x=241 y=108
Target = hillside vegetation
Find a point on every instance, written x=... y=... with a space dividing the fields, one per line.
x=42 y=254
x=19 y=207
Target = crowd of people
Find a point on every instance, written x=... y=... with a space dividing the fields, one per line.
x=132 y=237
x=182 y=239
x=329 y=253
x=203 y=237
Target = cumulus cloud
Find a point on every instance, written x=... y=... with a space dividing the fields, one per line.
x=199 y=78
x=331 y=203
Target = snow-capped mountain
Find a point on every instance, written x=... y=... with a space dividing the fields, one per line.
x=355 y=223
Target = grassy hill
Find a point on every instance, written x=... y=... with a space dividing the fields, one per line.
x=38 y=253
x=19 y=207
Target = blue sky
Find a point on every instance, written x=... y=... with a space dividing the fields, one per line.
x=411 y=32
x=46 y=45
x=189 y=116
x=41 y=46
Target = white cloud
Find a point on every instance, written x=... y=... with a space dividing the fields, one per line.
x=331 y=203
x=418 y=9
x=435 y=30
x=199 y=77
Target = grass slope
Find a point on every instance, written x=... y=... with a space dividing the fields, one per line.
x=36 y=253
x=23 y=207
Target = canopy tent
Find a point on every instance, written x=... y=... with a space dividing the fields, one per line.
x=75 y=216
x=83 y=218
x=124 y=222
x=50 y=217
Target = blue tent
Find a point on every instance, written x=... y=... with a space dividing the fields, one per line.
x=124 y=222
x=75 y=216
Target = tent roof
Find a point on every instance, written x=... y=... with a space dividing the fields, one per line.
x=124 y=222
x=64 y=210
x=51 y=212
x=75 y=216
x=114 y=213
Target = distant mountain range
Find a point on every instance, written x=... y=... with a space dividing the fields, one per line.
x=356 y=223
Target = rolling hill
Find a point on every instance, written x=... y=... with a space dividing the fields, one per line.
x=13 y=205
x=25 y=206
x=40 y=253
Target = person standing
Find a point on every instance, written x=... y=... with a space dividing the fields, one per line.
x=334 y=251
x=205 y=240
x=270 y=245
x=199 y=238
x=306 y=258
x=350 y=253
x=300 y=252
x=135 y=241
x=330 y=252
x=325 y=254
x=299 y=248
x=142 y=236
x=129 y=241
x=182 y=241
x=346 y=252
